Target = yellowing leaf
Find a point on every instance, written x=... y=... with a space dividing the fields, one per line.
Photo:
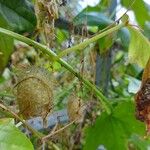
x=139 y=48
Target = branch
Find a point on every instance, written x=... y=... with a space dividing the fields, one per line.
x=91 y=40
x=59 y=130
x=105 y=104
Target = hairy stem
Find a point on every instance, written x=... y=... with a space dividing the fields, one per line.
x=91 y=40
x=59 y=130
x=105 y=104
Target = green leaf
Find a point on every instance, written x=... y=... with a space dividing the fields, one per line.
x=139 y=143
x=56 y=65
x=2 y=79
x=13 y=139
x=124 y=36
x=17 y=15
x=106 y=42
x=112 y=131
x=140 y=10
x=6 y=48
x=92 y=19
x=62 y=35
x=139 y=48
x=96 y=8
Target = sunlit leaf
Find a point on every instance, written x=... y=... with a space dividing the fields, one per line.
x=112 y=131
x=61 y=35
x=139 y=48
x=56 y=66
x=13 y=139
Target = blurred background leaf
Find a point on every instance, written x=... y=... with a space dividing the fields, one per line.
x=17 y=15
x=92 y=19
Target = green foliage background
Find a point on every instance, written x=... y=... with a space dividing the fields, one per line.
x=130 y=49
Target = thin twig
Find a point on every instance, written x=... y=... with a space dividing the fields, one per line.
x=53 y=133
x=53 y=130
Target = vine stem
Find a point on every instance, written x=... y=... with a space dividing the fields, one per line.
x=57 y=131
x=105 y=104
x=91 y=40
